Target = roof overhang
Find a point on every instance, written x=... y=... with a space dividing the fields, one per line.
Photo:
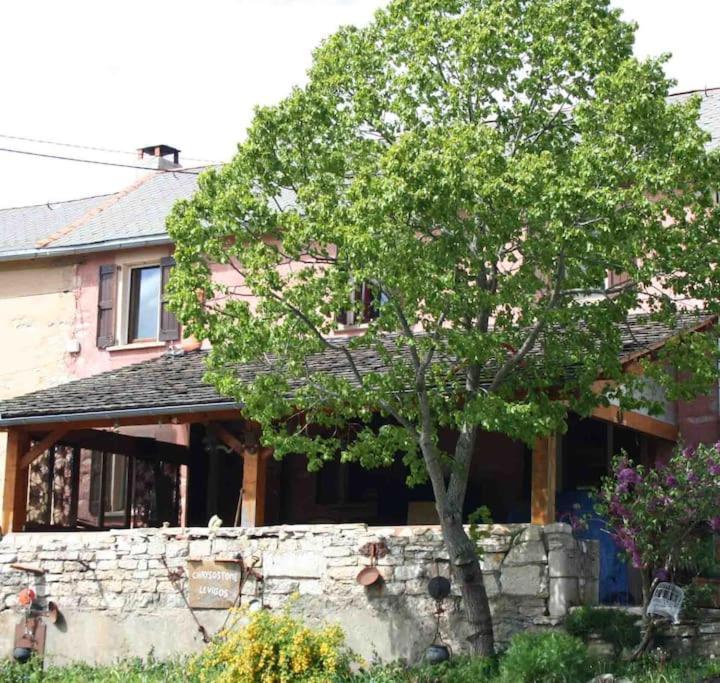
x=110 y=245
x=197 y=412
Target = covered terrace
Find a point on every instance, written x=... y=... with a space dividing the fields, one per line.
x=152 y=444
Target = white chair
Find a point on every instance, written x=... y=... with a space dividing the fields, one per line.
x=666 y=601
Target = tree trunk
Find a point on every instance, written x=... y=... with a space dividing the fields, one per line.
x=649 y=626
x=466 y=570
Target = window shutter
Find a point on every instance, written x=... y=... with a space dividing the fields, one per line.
x=106 y=306
x=169 y=325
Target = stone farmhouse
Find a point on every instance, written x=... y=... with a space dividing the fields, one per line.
x=116 y=454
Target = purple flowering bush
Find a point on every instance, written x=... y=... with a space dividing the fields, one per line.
x=661 y=517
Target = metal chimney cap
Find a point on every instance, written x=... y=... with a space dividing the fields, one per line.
x=158 y=151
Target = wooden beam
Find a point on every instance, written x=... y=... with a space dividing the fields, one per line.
x=228 y=438
x=254 y=487
x=637 y=421
x=544 y=472
x=48 y=441
x=202 y=417
x=142 y=447
x=14 y=504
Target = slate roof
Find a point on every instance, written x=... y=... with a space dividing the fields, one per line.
x=165 y=384
x=22 y=227
x=709 y=112
x=139 y=211
x=135 y=213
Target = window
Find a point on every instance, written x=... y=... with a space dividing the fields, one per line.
x=108 y=488
x=115 y=489
x=144 y=300
x=365 y=303
x=132 y=307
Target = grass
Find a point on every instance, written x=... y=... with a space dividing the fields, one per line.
x=460 y=670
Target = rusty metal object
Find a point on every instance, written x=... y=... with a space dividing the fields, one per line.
x=30 y=635
x=439 y=587
x=27 y=568
x=374 y=549
x=371 y=574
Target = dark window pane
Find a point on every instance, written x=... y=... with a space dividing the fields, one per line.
x=144 y=303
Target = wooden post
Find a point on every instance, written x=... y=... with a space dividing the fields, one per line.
x=544 y=472
x=14 y=505
x=254 y=487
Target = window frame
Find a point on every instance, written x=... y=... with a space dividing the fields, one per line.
x=133 y=304
x=124 y=300
x=371 y=304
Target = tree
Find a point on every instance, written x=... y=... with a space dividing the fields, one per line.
x=662 y=516
x=477 y=166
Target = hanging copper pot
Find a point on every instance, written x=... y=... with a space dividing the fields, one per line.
x=369 y=575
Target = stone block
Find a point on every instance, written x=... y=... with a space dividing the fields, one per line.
x=337 y=551
x=343 y=573
x=563 y=595
x=590 y=593
x=53 y=566
x=530 y=533
x=199 y=549
x=564 y=562
x=590 y=553
x=107 y=565
x=310 y=587
x=408 y=572
x=492 y=562
x=526 y=552
x=307 y=565
x=281 y=587
x=86 y=587
x=105 y=555
x=523 y=580
x=492 y=584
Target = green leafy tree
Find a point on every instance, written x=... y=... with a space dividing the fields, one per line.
x=663 y=518
x=479 y=165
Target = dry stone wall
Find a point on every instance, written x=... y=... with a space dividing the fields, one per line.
x=118 y=586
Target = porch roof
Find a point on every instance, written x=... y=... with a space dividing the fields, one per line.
x=173 y=384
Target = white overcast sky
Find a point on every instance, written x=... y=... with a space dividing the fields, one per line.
x=122 y=74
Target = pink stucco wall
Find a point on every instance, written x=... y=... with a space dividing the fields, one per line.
x=92 y=360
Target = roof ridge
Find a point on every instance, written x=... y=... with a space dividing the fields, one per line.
x=95 y=211
x=50 y=205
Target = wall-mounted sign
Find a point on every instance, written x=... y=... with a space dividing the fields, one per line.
x=213 y=584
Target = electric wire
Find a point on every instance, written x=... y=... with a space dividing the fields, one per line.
x=109 y=150
x=98 y=162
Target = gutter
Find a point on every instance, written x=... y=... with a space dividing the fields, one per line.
x=123 y=243
x=68 y=418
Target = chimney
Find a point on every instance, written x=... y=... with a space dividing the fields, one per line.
x=160 y=157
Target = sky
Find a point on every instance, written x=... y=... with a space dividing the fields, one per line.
x=124 y=74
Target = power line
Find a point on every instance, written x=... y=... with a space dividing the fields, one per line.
x=93 y=161
x=89 y=147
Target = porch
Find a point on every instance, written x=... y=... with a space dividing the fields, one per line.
x=152 y=445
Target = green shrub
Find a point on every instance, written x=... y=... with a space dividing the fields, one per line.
x=274 y=647
x=126 y=671
x=460 y=669
x=615 y=627
x=545 y=658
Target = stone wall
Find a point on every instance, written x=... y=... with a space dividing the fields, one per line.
x=118 y=599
